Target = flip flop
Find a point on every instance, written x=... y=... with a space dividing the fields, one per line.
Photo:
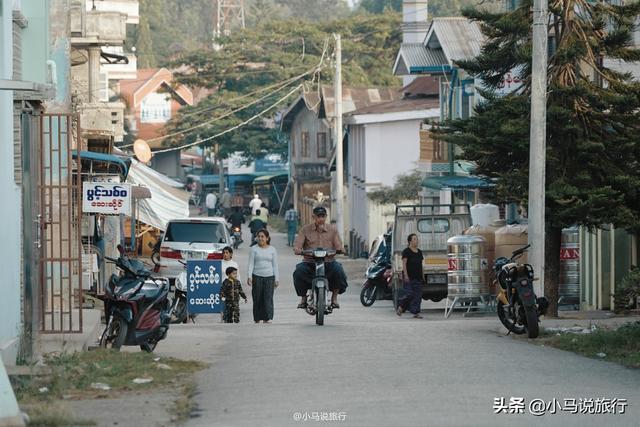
x=335 y=305
x=302 y=305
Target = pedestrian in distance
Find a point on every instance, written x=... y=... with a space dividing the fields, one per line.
x=255 y=204
x=231 y=292
x=263 y=214
x=263 y=277
x=412 y=278
x=225 y=201
x=292 y=219
x=210 y=202
x=256 y=225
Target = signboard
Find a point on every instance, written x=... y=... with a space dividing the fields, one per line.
x=569 y=254
x=453 y=264
x=106 y=198
x=204 y=280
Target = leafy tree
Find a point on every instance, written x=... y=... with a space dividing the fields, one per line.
x=144 y=45
x=436 y=7
x=253 y=59
x=593 y=145
x=406 y=187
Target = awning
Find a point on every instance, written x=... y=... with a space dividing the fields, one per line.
x=166 y=202
x=455 y=182
x=111 y=163
x=266 y=178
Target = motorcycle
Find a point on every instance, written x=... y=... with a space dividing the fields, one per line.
x=318 y=300
x=178 y=311
x=136 y=306
x=236 y=235
x=378 y=282
x=379 y=274
x=518 y=307
x=155 y=253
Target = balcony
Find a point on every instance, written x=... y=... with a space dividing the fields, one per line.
x=96 y=27
x=131 y=8
x=311 y=172
x=102 y=119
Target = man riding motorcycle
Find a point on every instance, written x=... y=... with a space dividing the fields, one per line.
x=319 y=235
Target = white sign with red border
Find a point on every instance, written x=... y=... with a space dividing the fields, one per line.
x=106 y=198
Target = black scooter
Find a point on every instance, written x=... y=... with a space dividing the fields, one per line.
x=136 y=306
x=318 y=299
x=378 y=282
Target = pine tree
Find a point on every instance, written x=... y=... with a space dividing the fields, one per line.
x=593 y=143
x=144 y=45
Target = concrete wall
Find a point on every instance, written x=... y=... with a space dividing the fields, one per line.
x=378 y=153
x=168 y=164
x=59 y=52
x=35 y=41
x=11 y=200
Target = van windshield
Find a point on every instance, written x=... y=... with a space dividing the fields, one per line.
x=199 y=232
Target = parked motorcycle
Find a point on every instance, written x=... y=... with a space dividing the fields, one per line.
x=136 y=306
x=236 y=235
x=379 y=274
x=518 y=307
x=178 y=311
x=378 y=282
x=318 y=299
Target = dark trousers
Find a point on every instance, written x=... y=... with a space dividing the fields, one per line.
x=211 y=212
x=262 y=293
x=305 y=271
x=231 y=312
x=291 y=232
x=413 y=297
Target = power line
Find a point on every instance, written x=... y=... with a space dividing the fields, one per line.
x=249 y=120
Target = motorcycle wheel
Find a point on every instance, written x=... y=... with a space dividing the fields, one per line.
x=320 y=303
x=149 y=346
x=368 y=294
x=114 y=334
x=155 y=258
x=179 y=314
x=532 y=322
x=508 y=321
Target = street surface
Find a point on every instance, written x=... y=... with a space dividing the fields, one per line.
x=370 y=368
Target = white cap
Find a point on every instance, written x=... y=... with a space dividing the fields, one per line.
x=255 y=196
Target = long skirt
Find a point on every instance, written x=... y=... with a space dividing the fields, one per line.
x=262 y=294
x=413 y=296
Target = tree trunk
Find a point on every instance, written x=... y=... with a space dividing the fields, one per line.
x=553 y=237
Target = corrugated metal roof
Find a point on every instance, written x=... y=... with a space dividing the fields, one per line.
x=415 y=55
x=459 y=38
x=356 y=98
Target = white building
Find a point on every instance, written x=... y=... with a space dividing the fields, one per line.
x=383 y=142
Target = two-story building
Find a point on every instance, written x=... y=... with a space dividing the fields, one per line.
x=308 y=122
x=152 y=99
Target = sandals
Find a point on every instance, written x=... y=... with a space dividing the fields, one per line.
x=334 y=305
x=399 y=311
x=302 y=305
x=417 y=316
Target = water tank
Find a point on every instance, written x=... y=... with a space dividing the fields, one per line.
x=489 y=234
x=569 y=286
x=484 y=214
x=509 y=238
x=468 y=267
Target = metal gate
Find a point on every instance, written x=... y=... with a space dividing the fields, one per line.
x=59 y=226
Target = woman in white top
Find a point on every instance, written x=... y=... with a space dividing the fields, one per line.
x=263 y=277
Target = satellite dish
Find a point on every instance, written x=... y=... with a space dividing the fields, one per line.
x=142 y=150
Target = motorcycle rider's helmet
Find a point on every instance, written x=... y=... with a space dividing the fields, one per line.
x=319 y=211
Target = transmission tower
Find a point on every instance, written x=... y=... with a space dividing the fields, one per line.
x=228 y=15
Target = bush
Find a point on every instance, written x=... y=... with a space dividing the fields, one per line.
x=628 y=291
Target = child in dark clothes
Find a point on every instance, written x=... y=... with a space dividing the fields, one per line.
x=231 y=293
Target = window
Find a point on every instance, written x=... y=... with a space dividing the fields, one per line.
x=203 y=232
x=155 y=108
x=433 y=225
x=322 y=144
x=305 y=144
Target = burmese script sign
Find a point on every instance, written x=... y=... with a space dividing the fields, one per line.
x=106 y=198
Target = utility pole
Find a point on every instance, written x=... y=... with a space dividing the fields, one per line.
x=537 y=148
x=220 y=171
x=339 y=214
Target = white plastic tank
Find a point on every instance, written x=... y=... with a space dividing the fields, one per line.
x=484 y=214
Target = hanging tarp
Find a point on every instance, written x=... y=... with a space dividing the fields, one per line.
x=167 y=200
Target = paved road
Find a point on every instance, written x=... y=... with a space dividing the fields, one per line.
x=376 y=369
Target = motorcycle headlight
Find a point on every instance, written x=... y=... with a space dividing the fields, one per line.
x=319 y=254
